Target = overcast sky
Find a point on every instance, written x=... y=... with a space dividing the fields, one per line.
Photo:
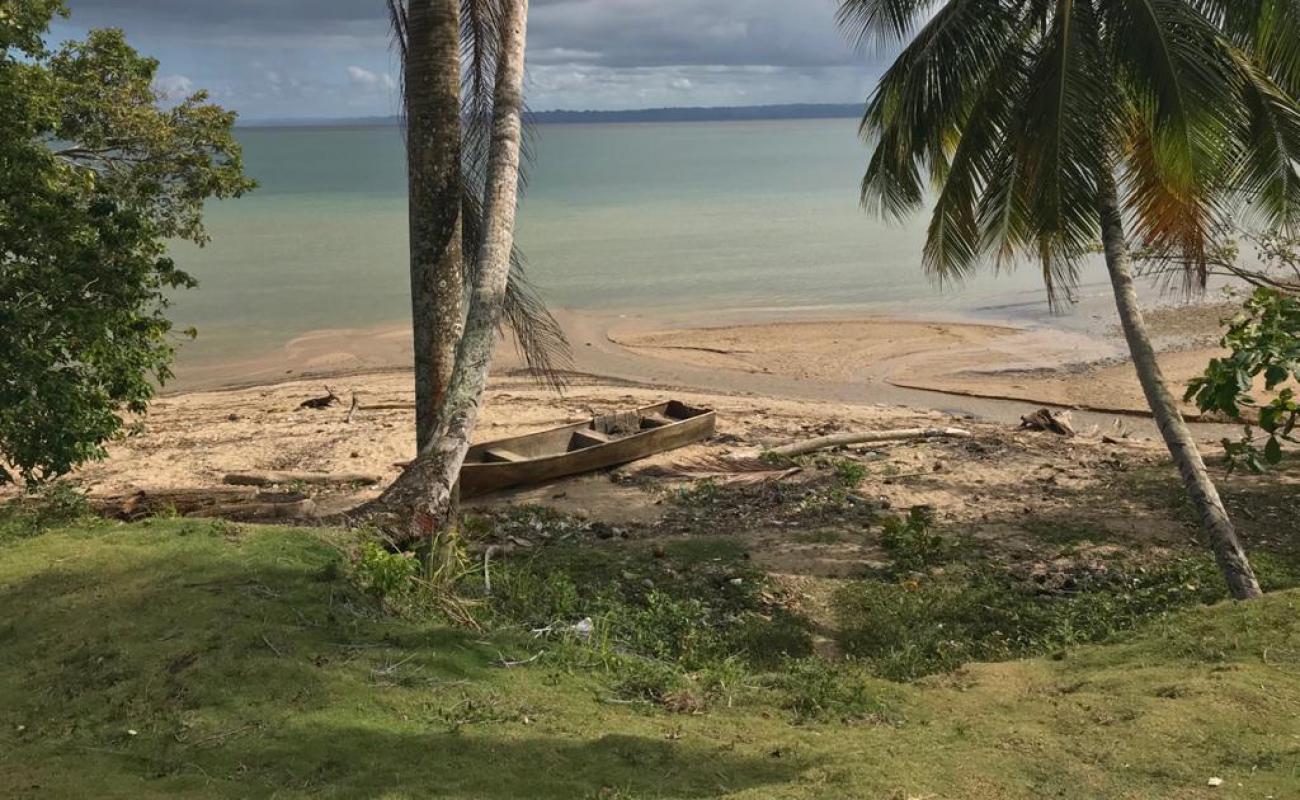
x=331 y=58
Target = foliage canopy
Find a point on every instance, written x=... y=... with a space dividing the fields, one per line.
x=100 y=170
x=1019 y=112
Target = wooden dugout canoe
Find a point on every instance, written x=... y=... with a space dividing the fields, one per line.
x=597 y=443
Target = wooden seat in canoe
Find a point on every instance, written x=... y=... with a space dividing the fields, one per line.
x=500 y=454
x=656 y=421
x=589 y=438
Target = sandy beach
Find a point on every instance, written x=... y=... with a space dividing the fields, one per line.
x=927 y=363
x=771 y=382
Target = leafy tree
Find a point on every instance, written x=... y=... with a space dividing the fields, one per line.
x=1045 y=125
x=97 y=176
x=1264 y=340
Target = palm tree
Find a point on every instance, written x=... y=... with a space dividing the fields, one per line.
x=447 y=111
x=423 y=494
x=1045 y=125
x=427 y=34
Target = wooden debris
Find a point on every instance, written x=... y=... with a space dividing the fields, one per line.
x=841 y=439
x=353 y=409
x=1044 y=419
x=228 y=502
x=720 y=469
x=306 y=478
x=321 y=402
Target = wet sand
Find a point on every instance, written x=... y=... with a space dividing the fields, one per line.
x=993 y=370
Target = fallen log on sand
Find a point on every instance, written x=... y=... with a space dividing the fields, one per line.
x=305 y=478
x=842 y=439
x=230 y=503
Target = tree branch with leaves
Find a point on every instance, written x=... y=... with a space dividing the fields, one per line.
x=99 y=174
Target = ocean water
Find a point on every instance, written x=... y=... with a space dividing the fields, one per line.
x=634 y=217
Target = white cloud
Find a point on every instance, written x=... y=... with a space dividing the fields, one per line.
x=173 y=87
x=370 y=80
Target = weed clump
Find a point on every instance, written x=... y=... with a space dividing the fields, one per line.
x=905 y=629
x=911 y=543
x=51 y=506
x=818 y=691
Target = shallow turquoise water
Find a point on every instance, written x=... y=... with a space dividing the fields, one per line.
x=687 y=216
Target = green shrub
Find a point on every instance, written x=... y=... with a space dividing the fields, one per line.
x=684 y=631
x=910 y=542
x=534 y=598
x=49 y=506
x=849 y=473
x=767 y=641
x=816 y=690
x=384 y=574
x=903 y=630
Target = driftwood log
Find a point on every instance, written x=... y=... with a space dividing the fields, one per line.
x=321 y=402
x=1043 y=419
x=230 y=503
x=305 y=478
x=863 y=437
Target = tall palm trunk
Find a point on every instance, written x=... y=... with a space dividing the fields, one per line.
x=1214 y=517
x=426 y=486
x=433 y=148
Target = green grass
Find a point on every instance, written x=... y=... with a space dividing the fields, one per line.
x=190 y=659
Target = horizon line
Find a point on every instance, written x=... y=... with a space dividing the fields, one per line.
x=647 y=114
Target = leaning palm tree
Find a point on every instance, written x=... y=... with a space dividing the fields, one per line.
x=423 y=495
x=448 y=51
x=1045 y=125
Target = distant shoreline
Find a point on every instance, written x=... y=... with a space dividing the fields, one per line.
x=788 y=111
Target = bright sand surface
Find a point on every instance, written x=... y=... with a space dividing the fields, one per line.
x=957 y=365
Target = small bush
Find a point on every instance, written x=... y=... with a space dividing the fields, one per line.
x=910 y=542
x=849 y=473
x=816 y=690
x=767 y=641
x=648 y=681
x=384 y=574
x=534 y=598
x=52 y=505
x=903 y=630
x=684 y=631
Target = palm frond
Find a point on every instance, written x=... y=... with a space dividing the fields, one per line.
x=1269 y=30
x=1067 y=116
x=1265 y=169
x=956 y=238
x=915 y=115
x=882 y=21
x=538 y=335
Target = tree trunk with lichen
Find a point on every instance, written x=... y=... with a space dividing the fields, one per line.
x=1178 y=438
x=433 y=155
x=421 y=498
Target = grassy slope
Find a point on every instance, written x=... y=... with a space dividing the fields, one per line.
x=247 y=669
